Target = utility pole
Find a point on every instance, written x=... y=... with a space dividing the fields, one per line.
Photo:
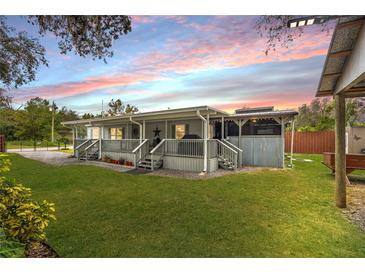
x=52 y=109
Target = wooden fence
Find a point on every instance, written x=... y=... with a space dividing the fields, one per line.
x=311 y=142
x=2 y=143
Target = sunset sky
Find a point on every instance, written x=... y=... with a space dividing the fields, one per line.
x=181 y=61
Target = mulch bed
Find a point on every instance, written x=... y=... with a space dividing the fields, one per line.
x=355 y=210
x=40 y=250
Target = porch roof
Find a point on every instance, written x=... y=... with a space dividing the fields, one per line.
x=153 y=115
x=265 y=114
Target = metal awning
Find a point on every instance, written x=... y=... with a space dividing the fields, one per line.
x=342 y=45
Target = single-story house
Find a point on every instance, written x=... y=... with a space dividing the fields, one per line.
x=195 y=139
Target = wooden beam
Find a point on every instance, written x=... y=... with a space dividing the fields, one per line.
x=340 y=158
x=340 y=53
x=324 y=93
x=350 y=24
x=332 y=74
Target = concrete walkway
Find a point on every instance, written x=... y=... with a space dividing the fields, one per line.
x=61 y=159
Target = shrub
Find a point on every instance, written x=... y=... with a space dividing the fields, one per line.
x=22 y=218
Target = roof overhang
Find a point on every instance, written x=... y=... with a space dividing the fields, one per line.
x=179 y=113
x=344 y=69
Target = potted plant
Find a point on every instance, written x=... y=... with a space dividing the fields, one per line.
x=121 y=161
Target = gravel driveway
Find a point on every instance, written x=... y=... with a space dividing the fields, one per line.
x=61 y=158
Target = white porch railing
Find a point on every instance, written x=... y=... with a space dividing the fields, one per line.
x=141 y=151
x=184 y=147
x=124 y=145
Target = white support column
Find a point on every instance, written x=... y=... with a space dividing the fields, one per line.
x=208 y=122
x=222 y=129
x=73 y=140
x=166 y=129
x=101 y=137
x=144 y=130
x=126 y=132
x=239 y=132
x=205 y=135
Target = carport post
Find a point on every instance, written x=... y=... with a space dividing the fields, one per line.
x=283 y=139
x=292 y=142
x=340 y=157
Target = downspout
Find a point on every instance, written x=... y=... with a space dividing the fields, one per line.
x=140 y=133
x=205 y=140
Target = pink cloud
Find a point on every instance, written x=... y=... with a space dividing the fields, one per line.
x=82 y=87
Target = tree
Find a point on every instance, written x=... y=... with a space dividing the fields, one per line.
x=130 y=109
x=5 y=100
x=34 y=122
x=274 y=29
x=319 y=115
x=87 y=116
x=117 y=107
x=21 y=55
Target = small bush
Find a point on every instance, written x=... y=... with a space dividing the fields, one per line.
x=21 y=218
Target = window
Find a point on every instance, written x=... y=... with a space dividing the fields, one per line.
x=179 y=131
x=116 y=134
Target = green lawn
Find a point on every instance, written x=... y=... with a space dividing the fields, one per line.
x=102 y=213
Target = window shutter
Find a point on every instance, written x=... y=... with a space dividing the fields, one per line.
x=186 y=128
x=173 y=131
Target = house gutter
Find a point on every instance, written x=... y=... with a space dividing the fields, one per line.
x=140 y=133
x=205 y=140
x=140 y=128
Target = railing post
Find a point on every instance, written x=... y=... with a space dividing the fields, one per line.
x=152 y=165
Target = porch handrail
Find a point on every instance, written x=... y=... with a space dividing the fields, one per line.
x=220 y=142
x=92 y=144
x=90 y=147
x=232 y=145
x=82 y=144
x=139 y=146
x=231 y=156
x=156 y=147
x=240 y=151
x=154 y=150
